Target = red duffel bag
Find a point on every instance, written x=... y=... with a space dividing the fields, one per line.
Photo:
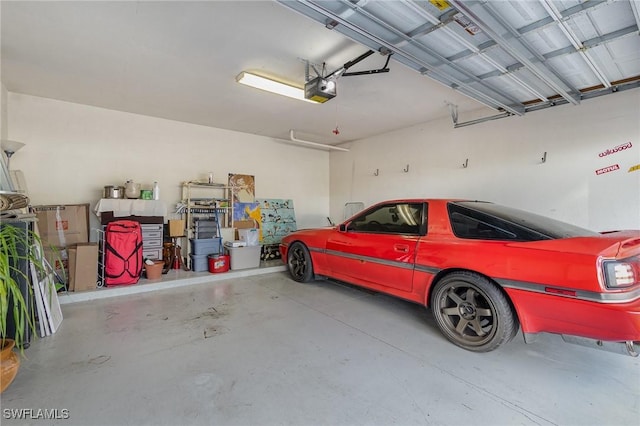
x=122 y=253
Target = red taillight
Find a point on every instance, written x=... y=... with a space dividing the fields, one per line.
x=621 y=273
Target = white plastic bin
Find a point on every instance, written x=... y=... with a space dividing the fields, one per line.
x=244 y=257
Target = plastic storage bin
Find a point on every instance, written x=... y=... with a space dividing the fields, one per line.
x=244 y=257
x=205 y=246
x=205 y=228
x=199 y=263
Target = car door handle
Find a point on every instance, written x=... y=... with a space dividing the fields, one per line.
x=403 y=248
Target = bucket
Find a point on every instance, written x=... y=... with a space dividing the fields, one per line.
x=218 y=263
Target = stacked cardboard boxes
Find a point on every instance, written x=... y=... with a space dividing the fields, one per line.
x=64 y=228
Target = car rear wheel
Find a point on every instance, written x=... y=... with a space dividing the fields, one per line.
x=472 y=312
x=299 y=263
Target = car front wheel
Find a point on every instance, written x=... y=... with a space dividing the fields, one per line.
x=472 y=312
x=299 y=263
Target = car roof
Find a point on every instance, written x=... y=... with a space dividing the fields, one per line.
x=427 y=200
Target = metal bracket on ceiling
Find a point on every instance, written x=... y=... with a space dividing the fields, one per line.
x=465 y=164
x=406 y=169
x=377 y=172
x=342 y=72
x=544 y=157
x=330 y=24
x=307 y=73
x=453 y=109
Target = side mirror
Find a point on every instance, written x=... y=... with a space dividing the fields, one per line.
x=342 y=227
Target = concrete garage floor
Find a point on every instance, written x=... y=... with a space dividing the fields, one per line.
x=262 y=350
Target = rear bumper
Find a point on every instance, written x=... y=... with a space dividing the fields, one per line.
x=629 y=347
x=624 y=348
x=610 y=322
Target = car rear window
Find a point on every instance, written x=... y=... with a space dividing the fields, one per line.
x=488 y=221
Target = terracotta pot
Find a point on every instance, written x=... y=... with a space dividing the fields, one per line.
x=9 y=364
x=154 y=272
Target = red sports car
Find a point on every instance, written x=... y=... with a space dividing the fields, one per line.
x=485 y=270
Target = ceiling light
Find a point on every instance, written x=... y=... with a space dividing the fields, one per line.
x=272 y=86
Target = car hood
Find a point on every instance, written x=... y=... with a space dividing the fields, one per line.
x=311 y=231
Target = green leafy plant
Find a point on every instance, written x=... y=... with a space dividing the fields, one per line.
x=17 y=246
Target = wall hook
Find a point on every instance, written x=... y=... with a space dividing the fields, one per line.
x=544 y=157
x=465 y=164
x=376 y=173
x=406 y=169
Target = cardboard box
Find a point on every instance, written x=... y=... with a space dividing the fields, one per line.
x=242 y=224
x=63 y=225
x=83 y=266
x=176 y=228
x=228 y=234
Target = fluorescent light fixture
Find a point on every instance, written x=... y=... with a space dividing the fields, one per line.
x=272 y=86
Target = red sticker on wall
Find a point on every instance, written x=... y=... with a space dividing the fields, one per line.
x=607 y=169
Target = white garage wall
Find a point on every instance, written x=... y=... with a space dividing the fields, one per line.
x=505 y=163
x=3 y=112
x=72 y=151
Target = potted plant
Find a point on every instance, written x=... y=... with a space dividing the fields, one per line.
x=18 y=246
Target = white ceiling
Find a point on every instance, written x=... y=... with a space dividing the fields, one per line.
x=178 y=60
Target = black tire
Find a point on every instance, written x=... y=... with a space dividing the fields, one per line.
x=299 y=263
x=472 y=312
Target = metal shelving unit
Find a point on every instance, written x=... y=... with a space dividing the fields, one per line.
x=203 y=200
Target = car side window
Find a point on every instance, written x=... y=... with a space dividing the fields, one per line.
x=396 y=218
x=471 y=224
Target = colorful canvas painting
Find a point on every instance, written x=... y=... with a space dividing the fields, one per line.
x=243 y=188
x=278 y=219
x=246 y=211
